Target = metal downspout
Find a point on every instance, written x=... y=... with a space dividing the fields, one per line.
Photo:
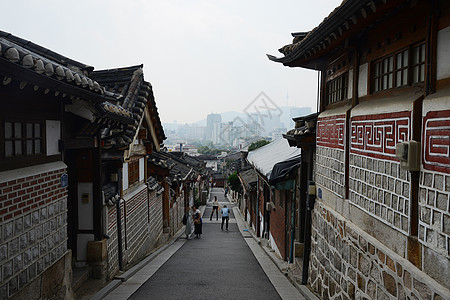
x=119 y=224
x=119 y=234
x=309 y=208
x=291 y=251
x=257 y=209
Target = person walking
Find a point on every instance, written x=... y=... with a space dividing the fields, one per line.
x=189 y=223
x=215 y=209
x=225 y=216
x=197 y=222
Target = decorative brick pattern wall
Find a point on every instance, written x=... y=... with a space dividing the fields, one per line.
x=330 y=169
x=278 y=224
x=346 y=263
x=381 y=189
x=434 y=216
x=331 y=131
x=155 y=214
x=376 y=135
x=436 y=137
x=33 y=228
x=136 y=221
x=112 y=244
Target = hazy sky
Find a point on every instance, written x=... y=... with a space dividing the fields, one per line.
x=201 y=56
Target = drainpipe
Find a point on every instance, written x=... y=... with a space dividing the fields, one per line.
x=119 y=234
x=309 y=208
x=264 y=212
x=291 y=252
x=257 y=209
x=119 y=224
x=428 y=86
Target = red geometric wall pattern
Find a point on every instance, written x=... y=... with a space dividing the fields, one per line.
x=436 y=141
x=331 y=131
x=377 y=135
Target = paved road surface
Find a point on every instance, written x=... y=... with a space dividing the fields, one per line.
x=219 y=265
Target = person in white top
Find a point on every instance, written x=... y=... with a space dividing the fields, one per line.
x=215 y=209
x=197 y=222
x=225 y=216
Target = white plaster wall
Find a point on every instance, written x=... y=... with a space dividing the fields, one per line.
x=125 y=177
x=362 y=80
x=273 y=245
x=82 y=241
x=141 y=169
x=53 y=135
x=85 y=210
x=350 y=84
x=443 y=54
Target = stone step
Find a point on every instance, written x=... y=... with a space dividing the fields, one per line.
x=80 y=276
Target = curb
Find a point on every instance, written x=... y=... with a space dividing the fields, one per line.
x=128 y=274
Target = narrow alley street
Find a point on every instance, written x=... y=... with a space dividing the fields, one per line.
x=219 y=265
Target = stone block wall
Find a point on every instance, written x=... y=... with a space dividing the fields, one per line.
x=33 y=225
x=434 y=223
x=380 y=188
x=346 y=263
x=330 y=169
x=434 y=230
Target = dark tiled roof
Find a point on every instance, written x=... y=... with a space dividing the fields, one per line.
x=249 y=177
x=117 y=98
x=132 y=94
x=179 y=169
x=204 y=157
x=305 y=126
x=154 y=185
x=344 y=20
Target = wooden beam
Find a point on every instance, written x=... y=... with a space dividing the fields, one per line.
x=373 y=6
x=346 y=25
x=363 y=13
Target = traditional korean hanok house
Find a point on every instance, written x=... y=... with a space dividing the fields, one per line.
x=248 y=179
x=66 y=142
x=201 y=183
x=304 y=136
x=134 y=230
x=180 y=189
x=380 y=227
x=42 y=93
x=276 y=164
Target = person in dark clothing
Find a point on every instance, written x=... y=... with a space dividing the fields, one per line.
x=197 y=222
x=225 y=216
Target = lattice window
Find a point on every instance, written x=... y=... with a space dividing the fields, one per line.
x=418 y=63
x=402 y=68
x=23 y=138
x=337 y=89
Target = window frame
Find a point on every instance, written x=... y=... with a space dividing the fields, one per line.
x=20 y=136
x=337 y=88
x=403 y=64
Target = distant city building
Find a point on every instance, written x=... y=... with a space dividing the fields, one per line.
x=278 y=133
x=212 y=121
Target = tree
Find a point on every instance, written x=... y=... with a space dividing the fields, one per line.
x=233 y=182
x=257 y=144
